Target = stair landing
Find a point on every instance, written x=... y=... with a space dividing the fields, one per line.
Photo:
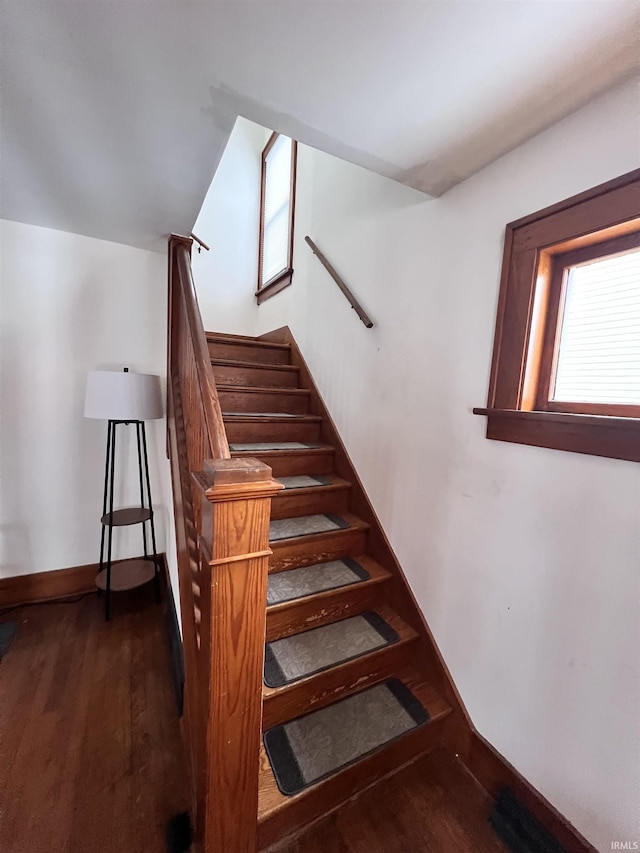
x=431 y=806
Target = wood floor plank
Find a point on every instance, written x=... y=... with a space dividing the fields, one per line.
x=91 y=758
x=431 y=806
x=90 y=751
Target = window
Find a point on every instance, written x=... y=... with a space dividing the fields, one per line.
x=566 y=362
x=277 y=204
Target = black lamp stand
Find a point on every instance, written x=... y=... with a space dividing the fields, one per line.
x=126 y=574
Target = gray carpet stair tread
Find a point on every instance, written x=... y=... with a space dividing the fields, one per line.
x=310 y=748
x=309 y=580
x=304 y=654
x=306 y=525
x=303 y=481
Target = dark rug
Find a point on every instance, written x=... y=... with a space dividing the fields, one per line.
x=304 y=654
x=7 y=631
x=313 y=747
x=308 y=580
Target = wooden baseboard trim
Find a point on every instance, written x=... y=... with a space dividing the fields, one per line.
x=50 y=586
x=494 y=772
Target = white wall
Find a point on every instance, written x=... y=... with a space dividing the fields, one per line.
x=71 y=304
x=227 y=275
x=525 y=560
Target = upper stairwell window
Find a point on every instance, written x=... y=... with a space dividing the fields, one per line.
x=566 y=358
x=277 y=206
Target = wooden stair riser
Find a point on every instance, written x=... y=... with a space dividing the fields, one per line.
x=286 y=703
x=262 y=400
x=307 y=550
x=248 y=351
x=292 y=503
x=238 y=374
x=292 y=617
x=245 y=431
x=281 y=816
x=296 y=462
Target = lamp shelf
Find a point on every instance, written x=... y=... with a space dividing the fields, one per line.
x=127 y=574
x=129 y=515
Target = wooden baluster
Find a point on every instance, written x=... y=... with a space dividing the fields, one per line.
x=234 y=542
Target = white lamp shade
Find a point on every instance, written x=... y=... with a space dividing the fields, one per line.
x=120 y=396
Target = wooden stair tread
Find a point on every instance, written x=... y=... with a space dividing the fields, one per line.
x=311 y=611
x=336 y=544
x=343 y=679
x=333 y=484
x=219 y=338
x=253 y=365
x=318 y=450
x=269 y=418
x=230 y=336
x=264 y=389
x=355 y=778
x=405 y=634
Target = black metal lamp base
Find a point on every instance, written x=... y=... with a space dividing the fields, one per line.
x=107 y=579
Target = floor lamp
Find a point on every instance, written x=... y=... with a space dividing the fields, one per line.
x=125 y=399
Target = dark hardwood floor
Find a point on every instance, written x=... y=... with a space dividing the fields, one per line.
x=91 y=757
x=432 y=806
x=90 y=749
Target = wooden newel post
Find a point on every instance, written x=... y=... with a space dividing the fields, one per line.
x=234 y=542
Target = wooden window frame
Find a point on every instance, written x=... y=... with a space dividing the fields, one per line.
x=284 y=277
x=537 y=250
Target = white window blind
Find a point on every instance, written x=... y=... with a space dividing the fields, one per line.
x=599 y=350
x=276 y=209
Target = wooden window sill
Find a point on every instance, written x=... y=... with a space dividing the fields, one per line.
x=596 y=435
x=274 y=286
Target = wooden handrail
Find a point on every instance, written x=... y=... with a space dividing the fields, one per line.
x=221 y=511
x=201 y=243
x=341 y=284
x=216 y=434
x=219 y=447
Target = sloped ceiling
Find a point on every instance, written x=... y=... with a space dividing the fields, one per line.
x=115 y=113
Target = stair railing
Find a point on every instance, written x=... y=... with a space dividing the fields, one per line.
x=341 y=283
x=222 y=509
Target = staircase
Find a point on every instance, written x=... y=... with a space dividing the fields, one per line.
x=345 y=641
x=310 y=673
